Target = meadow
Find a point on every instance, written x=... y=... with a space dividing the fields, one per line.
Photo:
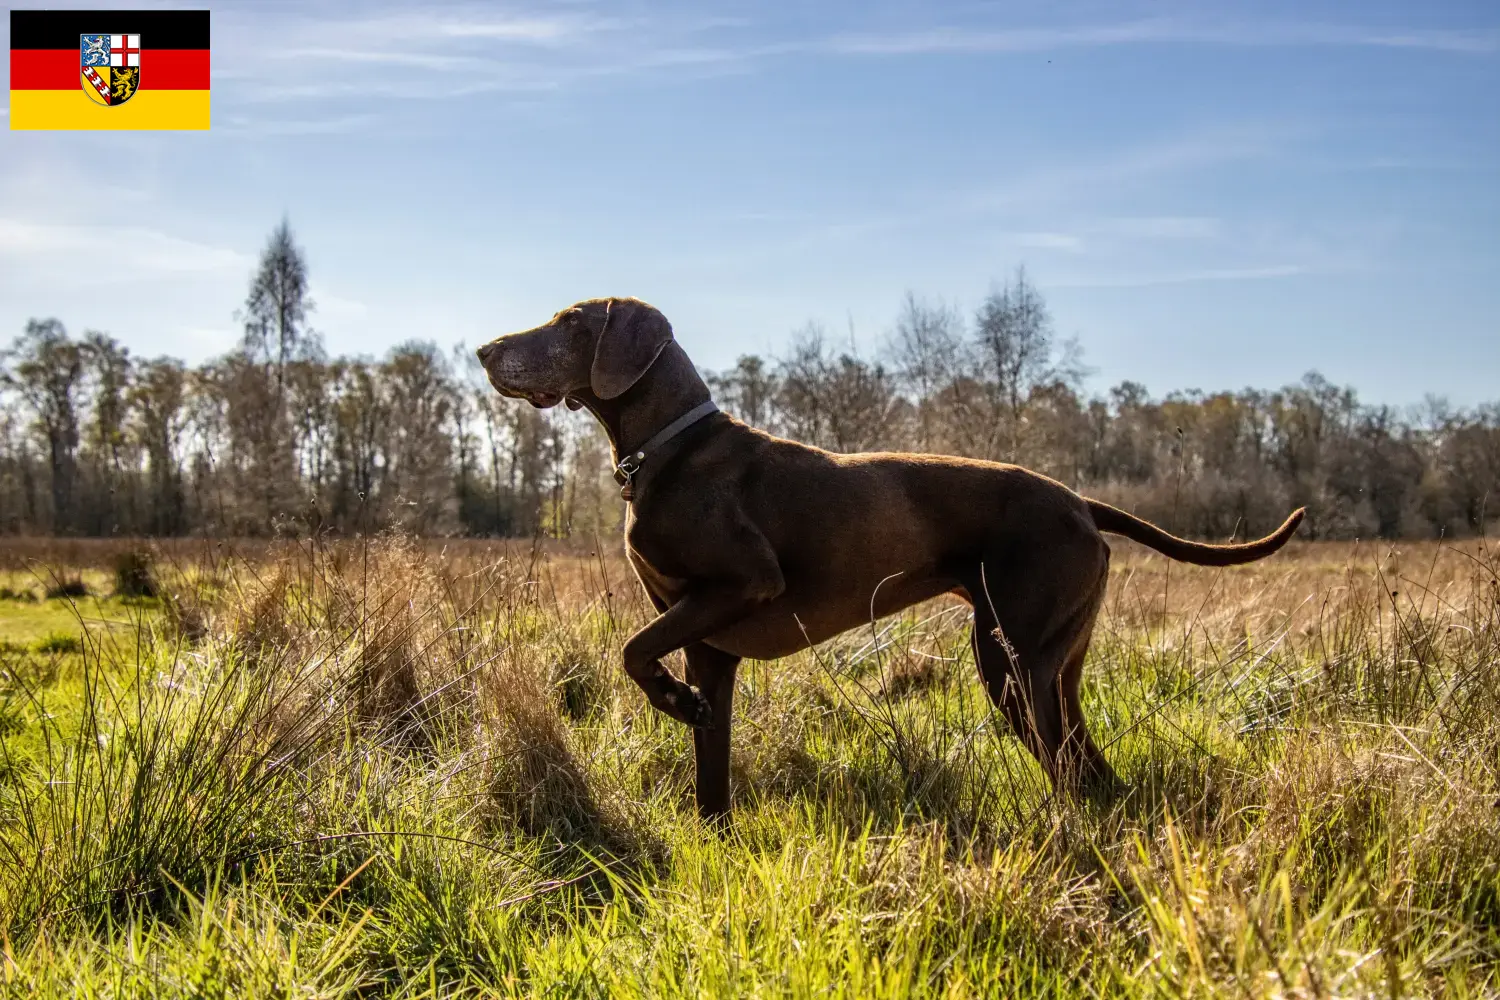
x=391 y=767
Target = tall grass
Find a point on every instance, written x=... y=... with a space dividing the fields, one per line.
x=392 y=768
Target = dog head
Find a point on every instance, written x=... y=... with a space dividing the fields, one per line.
x=600 y=345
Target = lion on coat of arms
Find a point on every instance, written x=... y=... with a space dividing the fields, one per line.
x=122 y=83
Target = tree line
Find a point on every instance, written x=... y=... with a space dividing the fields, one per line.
x=277 y=437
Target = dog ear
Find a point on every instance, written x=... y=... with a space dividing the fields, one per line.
x=634 y=335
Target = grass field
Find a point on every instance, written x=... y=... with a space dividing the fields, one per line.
x=417 y=770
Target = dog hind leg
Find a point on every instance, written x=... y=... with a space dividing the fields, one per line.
x=1029 y=642
x=1082 y=760
x=1006 y=664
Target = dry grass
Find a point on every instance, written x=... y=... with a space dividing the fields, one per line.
x=415 y=769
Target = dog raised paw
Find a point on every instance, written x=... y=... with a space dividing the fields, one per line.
x=687 y=705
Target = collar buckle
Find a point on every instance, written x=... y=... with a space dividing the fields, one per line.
x=626 y=470
x=628 y=466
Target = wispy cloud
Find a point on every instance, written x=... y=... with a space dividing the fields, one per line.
x=442 y=41
x=409 y=59
x=416 y=27
x=982 y=39
x=1481 y=41
x=1109 y=235
x=974 y=39
x=1185 y=277
x=527 y=29
x=1162 y=227
x=446 y=88
x=336 y=306
x=338 y=125
x=138 y=249
x=1049 y=241
x=1146 y=161
x=454 y=50
x=409 y=53
x=1071 y=205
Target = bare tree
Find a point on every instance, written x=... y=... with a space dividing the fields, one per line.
x=418 y=443
x=159 y=403
x=836 y=401
x=276 y=309
x=107 y=368
x=747 y=390
x=928 y=351
x=361 y=416
x=47 y=371
x=1020 y=353
x=264 y=435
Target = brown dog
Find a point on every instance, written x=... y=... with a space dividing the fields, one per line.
x=752 y=545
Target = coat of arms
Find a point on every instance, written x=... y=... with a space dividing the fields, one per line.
x=111 y=66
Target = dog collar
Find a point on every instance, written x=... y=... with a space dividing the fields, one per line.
x=631 y=464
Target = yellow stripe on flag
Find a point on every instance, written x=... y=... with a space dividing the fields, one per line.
x=72 y=109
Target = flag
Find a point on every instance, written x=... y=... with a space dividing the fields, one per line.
x=109 y=69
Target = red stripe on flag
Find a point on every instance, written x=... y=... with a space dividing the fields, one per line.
x=174 y=69
x=59 y=69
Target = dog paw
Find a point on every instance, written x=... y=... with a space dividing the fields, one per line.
x=686 y=705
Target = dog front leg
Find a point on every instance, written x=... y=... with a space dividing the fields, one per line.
x=694 y=618
x=712 y=671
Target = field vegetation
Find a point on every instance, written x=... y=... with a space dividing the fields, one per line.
x=387 y=767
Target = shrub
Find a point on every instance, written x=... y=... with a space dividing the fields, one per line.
x=186 y=613
x=59 y=642
x=73 y=586
x=134 y=574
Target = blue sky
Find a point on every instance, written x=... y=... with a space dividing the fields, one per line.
x=1210 y=195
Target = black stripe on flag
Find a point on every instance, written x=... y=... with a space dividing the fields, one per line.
x=59 y=29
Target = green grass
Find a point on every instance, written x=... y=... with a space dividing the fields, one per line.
x=26 y=621
x=390 y=773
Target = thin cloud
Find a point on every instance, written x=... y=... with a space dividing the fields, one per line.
x=955 y=39
x=340 y=125
x=457 y=50
x=443 y=89
x=419 y=41
x=1474 y=41
x=973 y=39
x=1263 y=273
x=1162 y=227
x=140 y=249
x=336 y=306
x=1064 y=187
x=415 y=26
x=1147 y=161
x=528 y=30
x=437 y=55
x=414 y=60
x=1049 y=241
x=1088 y=235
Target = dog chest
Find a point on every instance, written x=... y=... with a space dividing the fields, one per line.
x=666 y=588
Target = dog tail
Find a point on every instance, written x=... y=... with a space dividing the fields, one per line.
x=1118 y=522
